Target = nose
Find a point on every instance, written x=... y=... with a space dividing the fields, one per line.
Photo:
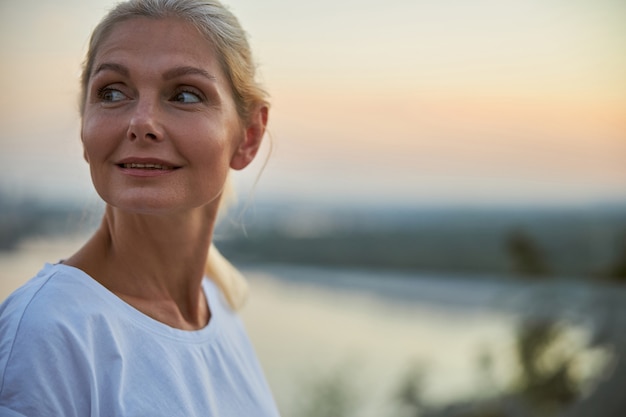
x=144 y=122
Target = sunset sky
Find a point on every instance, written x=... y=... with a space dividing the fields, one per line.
x=412 y=101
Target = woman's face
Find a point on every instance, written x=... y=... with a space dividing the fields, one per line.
x=160 y=128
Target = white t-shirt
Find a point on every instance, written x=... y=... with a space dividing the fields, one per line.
x=71 y=348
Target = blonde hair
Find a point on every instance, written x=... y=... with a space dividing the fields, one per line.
x=232 y=283
x=222 y=29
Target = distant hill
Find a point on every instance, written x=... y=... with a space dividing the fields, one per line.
x=25 y=218
x=567 y=242
x=531 y=242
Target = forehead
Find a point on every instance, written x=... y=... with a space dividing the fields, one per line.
x=154 y=42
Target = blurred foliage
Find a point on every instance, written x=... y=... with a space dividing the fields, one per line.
x=617 y=271
x=546 y=377
x=544 y=385
x=528 y=258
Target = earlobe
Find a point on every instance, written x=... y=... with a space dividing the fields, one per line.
x=251 y=142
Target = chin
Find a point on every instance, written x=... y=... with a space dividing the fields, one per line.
x=142 y=203
x=160 y=204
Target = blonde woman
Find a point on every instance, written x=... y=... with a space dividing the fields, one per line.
x=140 y=321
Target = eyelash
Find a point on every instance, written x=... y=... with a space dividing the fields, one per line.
x=102 y=91
x=195 y=93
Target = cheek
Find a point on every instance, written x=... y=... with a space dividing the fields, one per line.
x=212 y=147
x=212 y=163
x=86 y=137
x=96 y=136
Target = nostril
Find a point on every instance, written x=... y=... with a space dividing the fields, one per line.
x=143 y=128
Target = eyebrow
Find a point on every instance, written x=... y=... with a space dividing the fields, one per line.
x=109 y=66
x=181 y=71
x=168 y=75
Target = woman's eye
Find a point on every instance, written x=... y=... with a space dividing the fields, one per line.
x=187 y=97
x=111 y=95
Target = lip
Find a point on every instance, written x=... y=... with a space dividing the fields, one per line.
x=146 y=167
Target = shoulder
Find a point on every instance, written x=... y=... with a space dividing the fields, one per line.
x=58 y=304
x=47 y=298
x=43 y=309
x=17 y=311
x=37 y=325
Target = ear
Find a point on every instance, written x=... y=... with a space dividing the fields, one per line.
x=253 y=135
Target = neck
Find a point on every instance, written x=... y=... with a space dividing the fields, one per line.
x=155 y=263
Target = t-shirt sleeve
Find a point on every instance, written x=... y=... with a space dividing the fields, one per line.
x=43 y=367
x=6 y=412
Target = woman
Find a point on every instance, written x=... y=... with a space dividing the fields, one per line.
x=129 y=325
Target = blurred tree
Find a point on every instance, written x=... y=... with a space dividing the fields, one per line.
x=547 y=383
x=528 y=259
x=607 y=398
x=617 y=271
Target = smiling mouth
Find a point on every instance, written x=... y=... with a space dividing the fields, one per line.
x=156 y=167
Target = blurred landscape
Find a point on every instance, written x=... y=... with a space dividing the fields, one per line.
x=580 y=242
x=441 y=227
x=584 y=242
x=554 y=276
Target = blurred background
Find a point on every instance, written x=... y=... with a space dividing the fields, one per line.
x=440 y=225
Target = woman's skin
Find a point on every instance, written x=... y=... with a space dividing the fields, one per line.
x=160 y=132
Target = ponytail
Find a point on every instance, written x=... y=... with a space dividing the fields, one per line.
x=230 y=281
